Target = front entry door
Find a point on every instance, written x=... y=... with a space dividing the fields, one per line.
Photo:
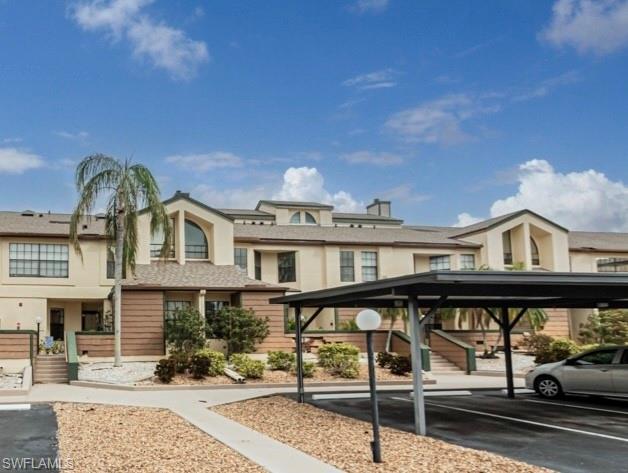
x=57 y=323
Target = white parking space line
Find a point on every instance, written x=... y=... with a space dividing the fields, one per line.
x=321 y=397
x=524 y=421
x=444 y=393
x=577 y=407
x=15 y=407
x=520 y=391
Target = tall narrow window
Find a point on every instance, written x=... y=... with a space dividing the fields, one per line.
x=257 y=256
x=157 y=242
x=467 y=262
x=536 y=260
x=38 y=260
x=347 y=266
x=286 y=266
x=240 y=258
x=111 y=262
x=442 y=262
x=507 y=244
x=296 y=218
x=369 y=266
x=195 y=241
x=309 y=218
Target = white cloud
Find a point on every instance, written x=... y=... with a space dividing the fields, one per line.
x=15 y=161
x=369 y=6
x=165 y=47
x=307 y=184
x=382 y=79
x=80 y=136
x=235 y=198
x=546 y=86
x=439 y=121
x=465 y=219
x=369 y=157
x=581 y=200
x=12 y=140
x=205 y=162
x=598 y=27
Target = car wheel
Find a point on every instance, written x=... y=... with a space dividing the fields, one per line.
x=548 y=387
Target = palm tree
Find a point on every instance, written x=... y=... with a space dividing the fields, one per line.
x=126 y=187
x=393 y=315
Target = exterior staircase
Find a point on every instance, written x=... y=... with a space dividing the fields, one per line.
x=51 y=369
x=440 y=364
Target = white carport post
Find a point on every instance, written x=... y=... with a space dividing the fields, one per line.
x=417 y=365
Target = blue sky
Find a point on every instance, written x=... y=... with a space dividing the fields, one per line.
x=454 y=110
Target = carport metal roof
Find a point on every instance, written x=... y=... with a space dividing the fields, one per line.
x=462 y=289
x=476 y=289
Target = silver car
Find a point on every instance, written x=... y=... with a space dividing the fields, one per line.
x=599 y=372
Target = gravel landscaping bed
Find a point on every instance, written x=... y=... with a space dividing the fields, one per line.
x=279 y=377
x=520 y=363
x=128 y=373
x=345 y=442
x=114 y=438
x=11 y=381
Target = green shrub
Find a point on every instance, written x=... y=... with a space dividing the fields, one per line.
x=217 y=361
x=400 y=365
x=537 y=342
x=605 y=327
x=239 y=327
x=181 y=361
x=384 y=358
x=246 y=366
x=309 y=368
x=165 y=370
x=199 y=365
x=340 y=359
x=558 y=350
x=349 y=325
x=280 y=360
x=184 y=332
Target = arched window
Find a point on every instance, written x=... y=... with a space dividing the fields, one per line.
x=195 y=241
x=536 y=260
x=309 y=218
x=296 y=217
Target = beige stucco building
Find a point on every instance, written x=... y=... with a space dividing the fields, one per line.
x=247 y=256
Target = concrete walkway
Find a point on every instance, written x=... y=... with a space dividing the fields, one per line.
x=193 y=405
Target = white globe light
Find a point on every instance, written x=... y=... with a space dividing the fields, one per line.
x=38 y=319
x=368 y=319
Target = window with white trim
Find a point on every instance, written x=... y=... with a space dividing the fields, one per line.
x=296 y=218
x=442 y=262
x=38 y=260
x=240 y=257
x=309 y=218
x=369 y=266
x=612 y=265
x=347 y=266
x=467 y=262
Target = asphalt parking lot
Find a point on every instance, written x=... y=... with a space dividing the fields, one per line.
x=28 y=439
x=572 y=435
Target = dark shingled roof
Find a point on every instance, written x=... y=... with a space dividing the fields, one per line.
x=346 y=235
x=248 y=213
x=193 y=275
x=493 y=222
x=365 y=217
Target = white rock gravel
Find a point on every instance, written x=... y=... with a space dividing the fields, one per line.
x=11 y=381
x=128 y=373
x=520 y=363
x=344 y=442
x=96 y=438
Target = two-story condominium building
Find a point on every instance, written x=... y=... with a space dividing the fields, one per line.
x=248 y=256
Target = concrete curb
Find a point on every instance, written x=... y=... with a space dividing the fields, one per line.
x=501 y=374
x=211 y=387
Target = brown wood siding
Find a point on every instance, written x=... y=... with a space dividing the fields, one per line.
x=349 y=314
x=258 y=303
x=142 y=323
x=557 y=324
x=400 y=346
x=474 y=338
x=16 y=346
x=94 y=345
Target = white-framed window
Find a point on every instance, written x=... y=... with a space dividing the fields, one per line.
x=440 y=262
x=195 y=241
x=240 y=257
x=612 y=265
x=296 y=218
x=287 y=266
x=309 y=218
x=507 y=244
x=467 y=262
x=347 y=266
x=37 y=260
x=369 y=266
x=534 y=249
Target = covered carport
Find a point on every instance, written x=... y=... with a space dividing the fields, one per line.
x=495 y=291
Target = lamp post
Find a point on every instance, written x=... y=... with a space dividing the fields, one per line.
x=38 y=320
x=368 y=320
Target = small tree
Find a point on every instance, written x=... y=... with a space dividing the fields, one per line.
x=239 y=327
x=184 y=332
x=392 y=315
x=607 y=326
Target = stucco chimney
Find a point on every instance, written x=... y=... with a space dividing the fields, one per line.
x=379 y=207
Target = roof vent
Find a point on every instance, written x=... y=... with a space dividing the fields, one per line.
x=28 y=213
x=379 y=207
x=182 y=194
